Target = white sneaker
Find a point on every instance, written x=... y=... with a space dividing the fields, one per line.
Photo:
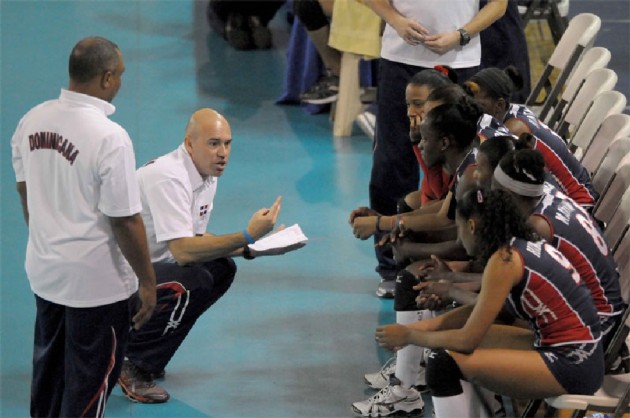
x=390 y=400
x=367 y=123
x=380 y=379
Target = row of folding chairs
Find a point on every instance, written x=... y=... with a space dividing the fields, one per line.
x=580 y=103
x=573 y=80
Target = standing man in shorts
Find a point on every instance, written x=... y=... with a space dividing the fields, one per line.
x=87 y=247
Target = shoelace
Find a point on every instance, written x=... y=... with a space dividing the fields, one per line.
x=382 y=394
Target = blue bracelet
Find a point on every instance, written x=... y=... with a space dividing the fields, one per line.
x=248 y=237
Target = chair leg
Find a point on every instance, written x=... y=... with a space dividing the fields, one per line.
x=348 y=104
x=531 y=408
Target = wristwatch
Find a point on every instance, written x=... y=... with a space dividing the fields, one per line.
x=247 y=253
x=464 y=36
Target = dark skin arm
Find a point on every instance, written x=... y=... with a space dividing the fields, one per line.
x=131 y=237
x=21 y=189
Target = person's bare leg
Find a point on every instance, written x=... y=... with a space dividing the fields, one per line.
x=506 y=363
x=330 y=56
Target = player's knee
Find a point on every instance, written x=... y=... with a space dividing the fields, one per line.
x=405 y=295
x=443 y=374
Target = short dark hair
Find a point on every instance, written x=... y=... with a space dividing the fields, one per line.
x=500 y=220
x=431 y=78
x=91 y=57
x=496 y=147
x=457 y=121
x=526 y=165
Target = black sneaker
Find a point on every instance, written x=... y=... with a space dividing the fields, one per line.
x=322 y=92
x=261 y=35
x=138 y=385
x=237 y=32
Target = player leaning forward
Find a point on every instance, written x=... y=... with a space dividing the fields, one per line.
x=193 y=268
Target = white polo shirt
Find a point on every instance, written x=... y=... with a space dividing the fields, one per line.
x=438 y=16
x=79 y=169
x=176 y=201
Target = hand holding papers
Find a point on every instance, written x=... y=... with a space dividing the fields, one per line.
x=280 y=242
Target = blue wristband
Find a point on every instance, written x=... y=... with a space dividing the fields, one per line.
x=248 y=237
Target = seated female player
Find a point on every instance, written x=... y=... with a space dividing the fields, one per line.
x=561 y=352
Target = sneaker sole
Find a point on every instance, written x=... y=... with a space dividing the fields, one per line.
x=325 y=100
x=385 y=295
x=411 y=414
x=138 y=399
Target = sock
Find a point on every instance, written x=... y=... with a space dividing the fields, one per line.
x=452 y=396
x=409 y=358
x=466 y=404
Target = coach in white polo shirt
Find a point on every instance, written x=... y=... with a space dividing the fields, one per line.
x=75 y=172
x=193 y=268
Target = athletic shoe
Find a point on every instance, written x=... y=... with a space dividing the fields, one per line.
x=261 y=35
x=380 y=379
x=159 y=375
x=322 y=92
x=390 y=400
x=367 y=122
x=237 y=32
x=386 y=289
x=386 y=376
x=138 y=385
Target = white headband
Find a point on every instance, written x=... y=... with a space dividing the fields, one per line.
x=516 y=186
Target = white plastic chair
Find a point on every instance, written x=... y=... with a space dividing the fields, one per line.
x=619 y=221
x=612 y=397
x=613 y=127
x=606 y=170
x=578 y=36
x=593 y=59
x=554 y=12
x=612 y=194
x=605 y=104
x=598 y=81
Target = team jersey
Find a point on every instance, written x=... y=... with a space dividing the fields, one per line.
x=469 y=160
x=551 y=297
x=580 y=240
x=566 y=170
x=489 y=127
x=79 y=168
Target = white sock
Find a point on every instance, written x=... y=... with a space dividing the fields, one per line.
x=466 y=404
x=408 y=359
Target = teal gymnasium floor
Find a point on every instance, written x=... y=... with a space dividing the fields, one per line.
x=294 y=335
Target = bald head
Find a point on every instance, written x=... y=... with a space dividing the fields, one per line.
x=208 y=141
x=205 y=121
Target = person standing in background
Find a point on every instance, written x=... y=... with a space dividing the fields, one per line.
x=418 y=35
x=75 y=172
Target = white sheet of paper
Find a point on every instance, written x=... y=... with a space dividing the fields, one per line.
x=288 y=236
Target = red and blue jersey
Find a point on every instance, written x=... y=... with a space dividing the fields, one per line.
x=489 y=127
x=580 y=240
x=469 y=160
x=551 y=297
x=567 y=172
